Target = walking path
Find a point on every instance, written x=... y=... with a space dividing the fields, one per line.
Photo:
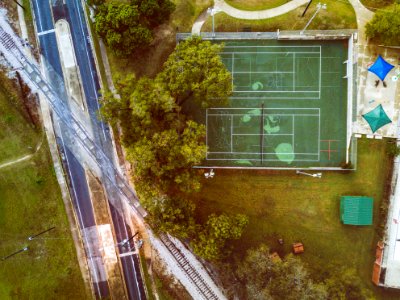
x=23 y=158
x=222 y=6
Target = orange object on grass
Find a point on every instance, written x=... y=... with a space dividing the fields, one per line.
x=298 y=248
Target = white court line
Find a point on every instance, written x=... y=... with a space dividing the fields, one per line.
x=206 y=132
x=263 y=134
x=276 y=91
x=255 y=159
x=294 y=69
x=319 y=135
x=269 y=108
x=288 y=46
x=228 y=115
x=282 y=53
x=293 y=133
x=245 y=72
x=232 y=134
x=282 y=98
x=233 y=72
x=258 y=153
x=46 y=32
x=320 y=70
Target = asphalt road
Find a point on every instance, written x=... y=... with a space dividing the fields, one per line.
x=72 y=11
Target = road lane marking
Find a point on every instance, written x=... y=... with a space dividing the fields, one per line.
x=46 y=32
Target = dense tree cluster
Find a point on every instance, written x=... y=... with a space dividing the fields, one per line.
x=210 y=242
x=163 y=143
x=264 y=278
x=385 y=26
x=125 y=27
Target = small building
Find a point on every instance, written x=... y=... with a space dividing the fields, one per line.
x=356 y=210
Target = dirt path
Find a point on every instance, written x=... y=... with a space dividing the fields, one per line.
x=23 y=158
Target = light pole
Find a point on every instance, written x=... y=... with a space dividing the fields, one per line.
x=315 y=175
x=40 y=233
x=319 y=6
x=15 y=253
x=212 y=11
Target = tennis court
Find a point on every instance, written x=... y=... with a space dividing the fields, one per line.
x=288 y=106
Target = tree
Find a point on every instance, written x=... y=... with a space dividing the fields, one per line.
x=171 y=214
x=195 y=69
x=218 y=230
x=95 y=2
x=268 y=279
x=155 y=12
x=118 y=24
x=345 y=284
x=385 y=26
x=168 y=156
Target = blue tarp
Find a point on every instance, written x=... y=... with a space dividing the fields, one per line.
x=377 y=118
x=380 y=68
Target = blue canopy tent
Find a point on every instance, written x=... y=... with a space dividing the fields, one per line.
x=380 y=68
x=377 y=118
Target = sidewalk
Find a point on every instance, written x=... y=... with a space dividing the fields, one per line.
x=222 y=6
x=260 y=14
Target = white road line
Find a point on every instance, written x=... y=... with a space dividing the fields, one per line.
x=90 y=66
x=81 y=217
x=46 y=32
x=39 y=16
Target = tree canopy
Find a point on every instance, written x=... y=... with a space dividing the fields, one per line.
x=385 y=26
x=211 y=241
x=265 y=278
x=195 y=70
x=125 y=27
x=163 y=143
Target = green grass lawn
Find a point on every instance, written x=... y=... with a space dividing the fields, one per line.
x=30 y=202
x=338 y=15
x=255 y=4
x=284 y=205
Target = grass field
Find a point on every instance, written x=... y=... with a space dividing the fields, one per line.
x=338 y=15
x=30 y=202
x=255 y=4
x=300 y=208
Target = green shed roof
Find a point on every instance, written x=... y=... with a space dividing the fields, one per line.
x=356 y=210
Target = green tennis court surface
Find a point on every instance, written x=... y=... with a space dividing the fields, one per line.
x=288 y=107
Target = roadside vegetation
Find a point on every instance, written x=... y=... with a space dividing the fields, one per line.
x=385 y=26
x=338 y=15
x=377 y=4
x=163 y=143
x=30 y=203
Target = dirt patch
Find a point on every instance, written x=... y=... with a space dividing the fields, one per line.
x=153 y=58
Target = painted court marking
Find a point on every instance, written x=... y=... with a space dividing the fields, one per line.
x=233 y=112
x=314 y=94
